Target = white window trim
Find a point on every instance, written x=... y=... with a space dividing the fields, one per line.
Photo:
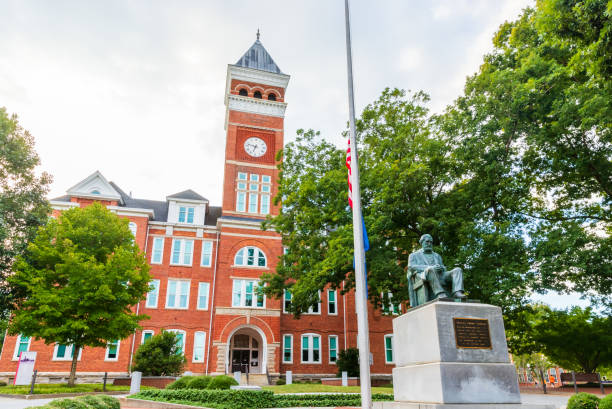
x=261 y=203
x=157 y=299
x=193 y=359
x=207 y=296
x=15 y=356
x=335 y=302
x=186 y=215
x=180 y=331
x=146 y=331
x=106 y=358
x=290 y=348
x=202 y=253
x=245 y=258
x=256 y=204
x=310 y=349
x=246 y=176
x=181 y=253
x=133 y=229
x=176 y=296
x=329 y=349
x=161 y=260
x=392 y=349
x=243 y=294
x=68 y=356
x=309 y=312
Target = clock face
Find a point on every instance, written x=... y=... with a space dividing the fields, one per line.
x=255 y=147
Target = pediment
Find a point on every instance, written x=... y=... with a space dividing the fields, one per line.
x=95 y=186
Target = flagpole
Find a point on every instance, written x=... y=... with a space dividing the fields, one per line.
x=361 y=302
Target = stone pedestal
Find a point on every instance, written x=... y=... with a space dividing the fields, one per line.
x=453 y=355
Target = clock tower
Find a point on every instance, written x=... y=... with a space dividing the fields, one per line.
x=254 y=121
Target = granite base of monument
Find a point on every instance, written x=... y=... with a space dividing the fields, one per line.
x=452 y=355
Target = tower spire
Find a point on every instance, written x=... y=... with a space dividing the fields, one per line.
x=258 y=34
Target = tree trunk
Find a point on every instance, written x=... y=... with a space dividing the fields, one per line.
x=75 y=357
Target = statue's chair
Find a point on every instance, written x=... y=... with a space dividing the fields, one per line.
x=419 y=290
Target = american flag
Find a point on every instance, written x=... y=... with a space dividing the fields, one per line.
x=348 y=165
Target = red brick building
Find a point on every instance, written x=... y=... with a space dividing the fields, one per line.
x=206 y=260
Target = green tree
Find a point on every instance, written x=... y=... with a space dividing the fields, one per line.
x=541 y=104
x=23 y=207
x=161 y=355
x=577 y=339
x=79 y=279
x=412 y=183
x=348 y=361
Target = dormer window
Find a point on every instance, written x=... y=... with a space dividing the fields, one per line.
x=257 y=94
x=271 y=97
x=186 y=214
x=95 y=192
x=243 y=92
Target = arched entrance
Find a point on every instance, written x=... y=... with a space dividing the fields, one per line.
x=247 y=351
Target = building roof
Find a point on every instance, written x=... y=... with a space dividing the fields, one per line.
x=257 y=57
x=189 y=195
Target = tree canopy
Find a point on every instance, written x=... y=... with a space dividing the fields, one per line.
x=23 y=207
x=513 y=180
x=79 y=280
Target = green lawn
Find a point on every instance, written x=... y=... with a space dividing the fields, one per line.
x=317 y=387
x=44 y=388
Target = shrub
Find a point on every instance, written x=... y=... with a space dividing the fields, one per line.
x=348 y=360
x=281 y=381
x=111 y=403
x=606 y=403
x=2 y=383
x=222 y=382
x=583 y=400
x=199 y=382
x=160 y=356
x=68 y=404
x=180 y=383
x=253 y=399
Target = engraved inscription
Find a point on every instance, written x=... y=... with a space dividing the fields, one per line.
x=472 y=333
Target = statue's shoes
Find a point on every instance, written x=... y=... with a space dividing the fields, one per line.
x=459 y=294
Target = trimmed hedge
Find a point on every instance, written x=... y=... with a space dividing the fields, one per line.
x=583 y=400
x=180 y=383
x=222 y=382
x=82 y=402
x=199 y=382
x=606 y=403
x=232 y=399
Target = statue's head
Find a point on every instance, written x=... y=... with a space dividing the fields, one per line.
x=426 y=242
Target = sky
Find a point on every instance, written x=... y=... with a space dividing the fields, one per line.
x=135 y=88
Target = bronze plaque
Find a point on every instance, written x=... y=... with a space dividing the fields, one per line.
x=472 y=333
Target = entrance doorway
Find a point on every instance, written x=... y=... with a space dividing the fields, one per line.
x=245 y=352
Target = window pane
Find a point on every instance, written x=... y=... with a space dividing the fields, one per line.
x=171 y=293
x=188 y=252
x=242 y=176
x=248 y=299
x=176 y=253
x=237 y=290
x=261 y=259
x=265 y=188
x=265 y=179
x=241 y=202
x=112 y=350
x=203 y=295
x=242 y=186
x=153 y=294
x=265 y=204
x=287 y=341
x=254 y=177
x=181 y=217
x=250 y=256
x=239 y=260
x=157 y=250
x=147 y=335
x=332 y=343
x=198 y=347
x=190 y=213
x=184 y=293
x=315 y=342
x=253 y=202
x=206 y=253
x=253 y=186
x=61 y=351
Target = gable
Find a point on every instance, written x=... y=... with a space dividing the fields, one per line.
x=95 y=186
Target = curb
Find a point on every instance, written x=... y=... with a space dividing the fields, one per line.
x=58 y=395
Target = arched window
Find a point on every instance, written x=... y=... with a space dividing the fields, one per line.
x=133 y=228
x=243 y=92
x=271 y=97
x=95 y=192
x=257 y=94
x=250 y=256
